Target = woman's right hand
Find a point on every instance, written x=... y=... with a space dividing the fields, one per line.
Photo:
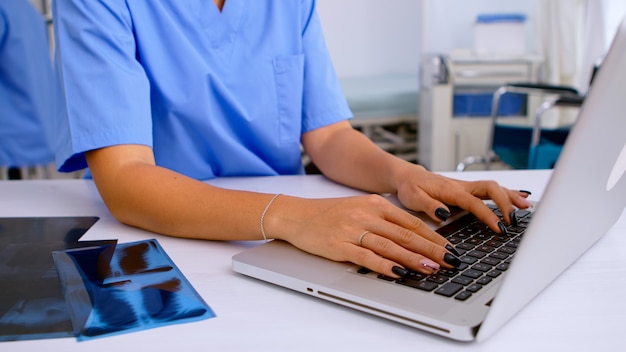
x=366 y=230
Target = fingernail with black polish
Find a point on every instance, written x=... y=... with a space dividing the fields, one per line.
x=452 y=260
x=525 y=191
x=502 y=228
x=452 y=250
x=400 y=271
x=442 y=214
x=513 y=218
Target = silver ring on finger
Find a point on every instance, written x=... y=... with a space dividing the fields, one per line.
x=360 y=240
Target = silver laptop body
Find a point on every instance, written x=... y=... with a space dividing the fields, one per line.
x=587 y=185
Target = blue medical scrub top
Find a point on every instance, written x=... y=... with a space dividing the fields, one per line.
x=214 y=93
x=26 y=86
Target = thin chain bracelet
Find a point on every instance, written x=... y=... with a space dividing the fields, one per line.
x=265 y=212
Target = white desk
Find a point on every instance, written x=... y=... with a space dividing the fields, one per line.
x=254 y=316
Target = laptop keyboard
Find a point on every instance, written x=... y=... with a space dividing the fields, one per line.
x=485 y=255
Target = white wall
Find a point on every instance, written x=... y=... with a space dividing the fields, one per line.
x=614 y=11
x=372 y=37
x=449 y=24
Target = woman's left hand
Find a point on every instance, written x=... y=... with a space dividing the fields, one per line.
x=421 y=190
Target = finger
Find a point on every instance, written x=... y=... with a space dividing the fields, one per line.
x=402 y=227
x=472 y=203
x=382 y=265
x=508 y=200
x=415 y=225
x=519 y=199
x=502 y=198
x=387 y=254
x=394 y=242
x=402 y=236
x=422 y=201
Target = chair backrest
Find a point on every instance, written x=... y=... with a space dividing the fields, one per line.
x=529 y=147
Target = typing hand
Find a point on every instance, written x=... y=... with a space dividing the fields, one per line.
x=365 y=230
x=429 y=192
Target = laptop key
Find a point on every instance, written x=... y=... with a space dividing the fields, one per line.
x=363 y=270
x=484 y=280
x=438 y=279
x=449 y=289
x=499 y=255
x=490 y=261
x=474 y=241
x=502 y=266
x=468 y=260
x=516 y=229
x=463 y=296
x=483 y=235
x=507 y=250
x=474 y=287
x=448 y=272
x=494 y=273
x=476 y=253
x=485 y=248
x=415 y=275
x=482 y=267
x=465 y=246
x=422 y=285
x=494 y=242
x=455 y=226
x=463 y=235
x=463 y=280
x=512 y=244
x=385 y=277
x=463 y=266
x=474 y=274
x=455 y=240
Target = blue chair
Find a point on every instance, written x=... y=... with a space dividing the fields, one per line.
x=523 y=147
x=527 y=147
x=546 y=145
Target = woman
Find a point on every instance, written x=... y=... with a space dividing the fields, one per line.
x=162 y=94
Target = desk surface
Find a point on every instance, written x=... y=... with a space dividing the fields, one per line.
x=255 y=316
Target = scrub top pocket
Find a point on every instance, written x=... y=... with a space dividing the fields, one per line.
x=289 y=76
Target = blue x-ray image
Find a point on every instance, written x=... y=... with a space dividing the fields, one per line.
x=31 y=300
x=127 y=287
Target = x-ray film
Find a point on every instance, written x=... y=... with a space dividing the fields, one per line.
x=31 y=299
x=114 y=289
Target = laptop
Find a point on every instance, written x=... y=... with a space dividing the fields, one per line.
x=590 y=170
